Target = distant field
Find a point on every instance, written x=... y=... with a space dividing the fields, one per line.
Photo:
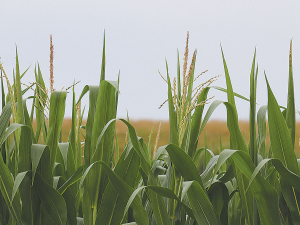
x=213 y=130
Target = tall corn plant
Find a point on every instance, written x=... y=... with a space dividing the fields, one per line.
x=39 y=180
x=26 y=173
x=39 y=174
x=242 y=185
x=171 y=190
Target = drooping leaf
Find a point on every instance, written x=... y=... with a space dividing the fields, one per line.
x=264 y=193
x=123 y=189
x=53 y=202
x=200 y=204
x=112 y=205
x=6 y=187
x=40 y=155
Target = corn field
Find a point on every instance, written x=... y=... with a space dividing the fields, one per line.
x=87 y=180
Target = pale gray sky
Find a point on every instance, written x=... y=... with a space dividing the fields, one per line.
x=140 y=35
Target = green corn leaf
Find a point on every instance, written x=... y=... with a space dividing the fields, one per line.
x=290 y=111
x=236 y=137
x=165 y=192
x=290 y=114
x=58 y=171
x=23 y=74
x=252 y=122
x=183 y=163
x=197 y=155
x=237 y=142
x=6 y=187
x=70 y=162
x=292 y=178
x=5 y=117
x=20 y=113
x=105 y=111
x=200 y=204
x=40 y=155
x=195 y=124
x=28 y=121
x=219 y=198
x=265 y=195
x=93 y=95
x=157 y=202
x=123 y=189
x=70 y=202
x=234 y=93
x=112 y=206
x=64 y=147
x=25 y=149
x=232 y=124
x=72 y=138
x=53 y=202
x=168 y=193
x=158 y=205
x=282 y=149
x=29 y=202
x=56 y=116
x=261 y=130
x=5 y=134
x=79 y=148
x=12 y=128
x=19 y=178
x=172 y=113
x=207 y=156
x=88 y=152
x=230 y=94
x=137 y=146
x=208 y=172
x=280 y=138
x=73 y=179
x=103 y=61
x=208 y=114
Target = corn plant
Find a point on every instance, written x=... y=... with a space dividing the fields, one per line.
x=46 y=181
x=243 y=185
x=39 y=174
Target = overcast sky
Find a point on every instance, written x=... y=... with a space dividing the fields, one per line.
x=140 y=35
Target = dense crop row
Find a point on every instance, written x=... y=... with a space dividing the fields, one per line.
x=45 y=181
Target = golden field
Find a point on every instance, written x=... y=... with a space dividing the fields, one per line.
x=214 y=130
